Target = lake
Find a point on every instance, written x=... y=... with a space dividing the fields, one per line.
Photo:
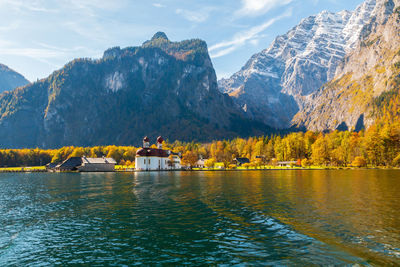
x=282 y=217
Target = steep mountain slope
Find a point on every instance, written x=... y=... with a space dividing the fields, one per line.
x=367 y=83
x=10 y=79
x=272 y=85
x=161 y=87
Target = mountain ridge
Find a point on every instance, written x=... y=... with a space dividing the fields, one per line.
x=273 y=84
x=160 y=88
x=10 y=79
x=366 y=83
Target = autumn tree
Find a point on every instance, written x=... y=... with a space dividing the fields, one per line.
x=320 y=151
x=210 y=163
x=189 y=158
x=359 y=162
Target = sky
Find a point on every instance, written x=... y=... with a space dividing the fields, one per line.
x=38 y=37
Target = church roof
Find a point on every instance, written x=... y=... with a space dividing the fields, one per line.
x=152 y=152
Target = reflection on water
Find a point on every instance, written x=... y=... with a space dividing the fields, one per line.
x=259 y=217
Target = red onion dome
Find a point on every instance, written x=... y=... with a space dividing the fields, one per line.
x=160 y=140
x=146 y=139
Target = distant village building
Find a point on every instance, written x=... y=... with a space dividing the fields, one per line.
x=287 y=163
x=175 y=161
x=97 y=165
x=84 y=164
x=200 y=163
x=241 y=161
x=152 y=159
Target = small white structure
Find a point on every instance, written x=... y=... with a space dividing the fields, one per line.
x=200 y=163
x=175 y=162
x=287 y=163
x=153 y=159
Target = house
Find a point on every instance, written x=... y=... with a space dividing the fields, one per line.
x=287 y=163
x=97 y=164
x=175 y=161
x=241 y=161
x=84 y=164
x=200 y=163
x=70 y=164
x=152 y=159
x=50 y=166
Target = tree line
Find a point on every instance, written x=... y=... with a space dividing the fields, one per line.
x=379 y=145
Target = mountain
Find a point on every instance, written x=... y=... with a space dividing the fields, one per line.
x=367 y=83
x=160 y=88
x=10 y=79
x=274 y=84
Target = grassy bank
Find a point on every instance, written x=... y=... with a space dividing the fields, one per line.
x=24 y=169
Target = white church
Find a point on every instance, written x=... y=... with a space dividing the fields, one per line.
x=156 y=159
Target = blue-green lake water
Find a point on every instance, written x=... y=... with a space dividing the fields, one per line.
x=256 y=217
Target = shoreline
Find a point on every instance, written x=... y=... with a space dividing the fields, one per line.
x=43 y=169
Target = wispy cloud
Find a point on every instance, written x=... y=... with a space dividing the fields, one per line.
x=241 y=38
x=158 y=5
x=198 y=16
x=259 y=7
x=20 y=5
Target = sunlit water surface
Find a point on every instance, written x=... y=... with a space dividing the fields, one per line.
x=256 y=217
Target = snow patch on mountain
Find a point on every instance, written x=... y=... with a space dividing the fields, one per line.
x=296 y=64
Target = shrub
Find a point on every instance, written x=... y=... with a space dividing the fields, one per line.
x=359 y=162
x=305 y=163
x=246 y=165
x=396 y=161
x=232 y=166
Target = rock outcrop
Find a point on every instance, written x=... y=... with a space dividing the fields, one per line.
x=274 y=84
x=367 y=82
x=160 y=88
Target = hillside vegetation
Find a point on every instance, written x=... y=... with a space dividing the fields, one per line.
x=377 y=146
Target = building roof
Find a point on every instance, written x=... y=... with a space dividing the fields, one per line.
x=200 y=162
x=152 y=152
x=98 y=160
x=242 y=160
x=51 y=165
x=70 y=163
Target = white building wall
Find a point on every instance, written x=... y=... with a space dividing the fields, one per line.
x=151 y=163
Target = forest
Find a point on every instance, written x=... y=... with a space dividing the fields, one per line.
x=378 y=146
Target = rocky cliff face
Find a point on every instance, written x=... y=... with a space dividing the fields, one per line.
x=273 y=84
x=160 y=88
x=367 y=81
x=10 y=79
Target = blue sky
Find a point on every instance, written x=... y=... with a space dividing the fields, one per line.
x=40 y=36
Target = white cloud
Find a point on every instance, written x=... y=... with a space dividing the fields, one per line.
x=198 y=16
x=254 y=42
x=20 y=5
x=241 y=38
x=258 y=7
x=158 y=5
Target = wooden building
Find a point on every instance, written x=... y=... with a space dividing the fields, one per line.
x=84 y=164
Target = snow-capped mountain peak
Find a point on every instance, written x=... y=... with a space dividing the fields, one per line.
x=296 y=64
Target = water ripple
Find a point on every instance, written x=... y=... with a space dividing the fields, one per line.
x=227 y=218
